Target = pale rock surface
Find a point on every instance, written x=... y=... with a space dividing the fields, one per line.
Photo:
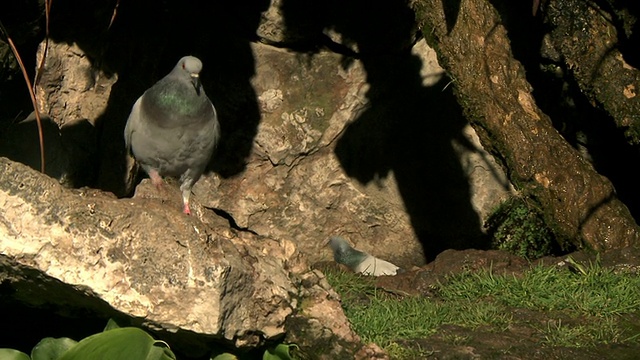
x=71 y=95
x=272 y=27
x=294 y=186
x=70 y=88
x=143 y=258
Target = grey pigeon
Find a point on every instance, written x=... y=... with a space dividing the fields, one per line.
x=359 y=261
x=173 y=128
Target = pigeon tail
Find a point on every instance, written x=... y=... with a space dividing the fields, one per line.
x=376 y=267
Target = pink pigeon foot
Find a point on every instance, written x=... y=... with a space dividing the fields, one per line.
x=156 y=179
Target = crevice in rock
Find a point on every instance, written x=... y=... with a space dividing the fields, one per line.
x=232 y=222
x=313 y=45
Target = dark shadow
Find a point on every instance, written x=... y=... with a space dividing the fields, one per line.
x=69 y=151
x=625 y=19
x=144 y=42
x=408 y=128
x=18 y=19
x=20 y=142
x=45 y=307
x=29 y=325
x=451 y=10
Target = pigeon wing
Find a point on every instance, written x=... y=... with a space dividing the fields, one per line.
x=133 y=122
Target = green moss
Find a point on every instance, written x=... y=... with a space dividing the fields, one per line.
x=518 y=226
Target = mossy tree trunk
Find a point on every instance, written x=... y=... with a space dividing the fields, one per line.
x=586 y=40
x=578 y=203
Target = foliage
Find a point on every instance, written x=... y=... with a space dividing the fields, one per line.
x=279 y=352
x=518 y=227
x=11 y=354
x=117 y=342
x=113 y=343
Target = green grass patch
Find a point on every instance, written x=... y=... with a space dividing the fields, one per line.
x=597 y=292
x=483 y=299
x=602 y=331
x=383 y=318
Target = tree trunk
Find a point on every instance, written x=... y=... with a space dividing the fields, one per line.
x=586 y=41
x=472 y=44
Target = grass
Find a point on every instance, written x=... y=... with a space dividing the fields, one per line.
x=598 y=292
x=590 y=304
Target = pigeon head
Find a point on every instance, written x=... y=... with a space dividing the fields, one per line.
x=343 y=253
x=338 y=245
x=191 y=66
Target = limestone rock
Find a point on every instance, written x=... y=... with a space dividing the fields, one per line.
x=70 y=88
x=296 y=187
x=361 y=147
x=169 y=272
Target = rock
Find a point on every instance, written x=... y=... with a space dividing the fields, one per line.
x=295 y=185
x=81 y=249
x=324 y=154
x=74 y=94
x=70 y=88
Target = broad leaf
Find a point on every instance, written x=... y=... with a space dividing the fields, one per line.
x=122 y=343
x=225 y=356
x=280 y=352
x=51 y=348
x=111 y=324
x=11 y=354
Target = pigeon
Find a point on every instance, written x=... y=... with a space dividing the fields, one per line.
x=173 y=128
x=358 y=261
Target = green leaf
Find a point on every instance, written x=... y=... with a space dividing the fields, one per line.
x=51 y=348
x=11 y=354
x=225 y=356
x=161 y=350
x=280 y=352
x=111 y=324
x=122 y=343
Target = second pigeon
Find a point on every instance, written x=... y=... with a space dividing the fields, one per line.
x=173 y=128
x=359 y=261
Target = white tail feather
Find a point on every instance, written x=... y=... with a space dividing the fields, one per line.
x=376 y=267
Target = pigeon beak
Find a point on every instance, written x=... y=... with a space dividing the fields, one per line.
x=195 y=80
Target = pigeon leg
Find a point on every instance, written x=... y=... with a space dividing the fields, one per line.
x=186 y=194
x=156 y=179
